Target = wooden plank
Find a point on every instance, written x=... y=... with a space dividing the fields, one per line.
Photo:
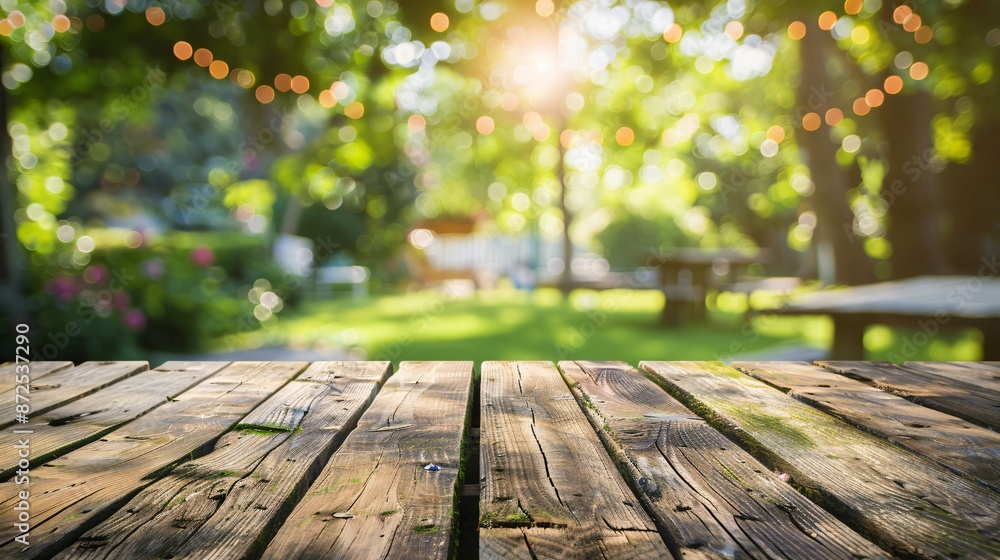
x=228 y=503
x=548 y=487
x=713 y=498
x=908 y=505
x=79 y=489
x=66 y=385
x=954 y=397
x=963 y=447
x=980 y=374
x=36 y=370
x=375 y=498
x=62 y=429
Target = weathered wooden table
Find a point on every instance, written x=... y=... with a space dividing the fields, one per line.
x=282 y=460
x=927 y=304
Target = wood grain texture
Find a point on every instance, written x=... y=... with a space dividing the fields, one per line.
x=951 y=396
x=548 y=487
x=82 y=487
x=80 y=422
x=910 y=506
x=961 y=446
x=66 y=385
x=980 y=374
x=227 y=504
x=36 y=370
x=713 y=498
x=375 y=499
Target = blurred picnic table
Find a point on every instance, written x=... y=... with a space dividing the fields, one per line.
x=685 y=275
x=925 y=303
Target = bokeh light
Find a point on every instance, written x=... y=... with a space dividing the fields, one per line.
x=796 y=30
x=834 y=116
x=484 y=124
x=919 y=70
x=673 y=33
x=264 y=94
x=300 y=84
x=183 y=50
x=861 y=107
x=625 y=136
x=61 y=23
x=811 y=121
x=853 y=7
x=283 y=82
x=827 y=20
x=155 y=16
x=203 y=57
x=218 y=69
x=355 y=110
x=544 y=8
x=874 y=97
x=734 y=30
x=776 y=133
x=416 y=123
x=440 y=22
x=893 y=84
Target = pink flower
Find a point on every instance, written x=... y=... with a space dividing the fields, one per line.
x=135 y=319
x=202 y=256
x=62 y=287
x=95 y=274
x=120 y=301
x=153 y=269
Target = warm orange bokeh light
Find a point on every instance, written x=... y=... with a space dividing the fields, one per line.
x=853 y=7
x=440 y=22
x=60 y=23
x=300 y=84
x=834 y=116
x=355 y=110
x=16 y=19
x=183 y=50
x=734 y=30
x=796 y=30
x=912 y=23
x=218 y=69
x=673 y=33
x=827 y=20
x=508 y=101
x=327 y=99
x=264 y=94
x=923 y=35
x=155 y=16
x=544 y=8
x=811 y=121
x=566 y=138
x=901 y=13
x=776 y=133
x=484 y=125
x=919 y=70
x=532 y=120
x=861 y=107
x=203 y=57
x=283 y=82
x=893 y=84
x=416 y=123
x=874 y=97
x=625 y=136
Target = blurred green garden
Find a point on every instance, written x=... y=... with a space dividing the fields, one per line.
x=207 y=176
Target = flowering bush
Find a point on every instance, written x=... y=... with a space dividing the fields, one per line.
x=175 y=293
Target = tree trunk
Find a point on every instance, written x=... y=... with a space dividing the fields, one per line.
x=835 y=219
x=910 y=187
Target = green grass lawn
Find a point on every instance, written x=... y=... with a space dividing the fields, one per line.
x=511 y=325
